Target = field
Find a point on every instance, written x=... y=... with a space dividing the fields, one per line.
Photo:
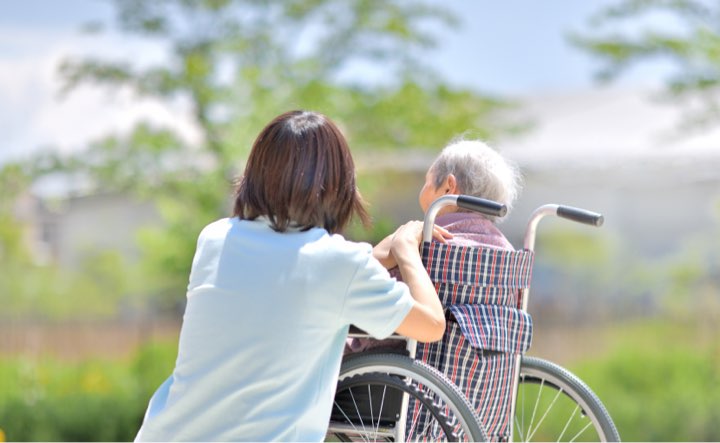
x=80 y=340
x=89 y=381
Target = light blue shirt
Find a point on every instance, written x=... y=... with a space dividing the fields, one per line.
x=263 y=333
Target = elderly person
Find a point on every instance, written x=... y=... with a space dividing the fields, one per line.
x=486 y=330
x=468 y=167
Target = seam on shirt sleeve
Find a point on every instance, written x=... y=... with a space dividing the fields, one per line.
x=347 y=287
x=397 y=318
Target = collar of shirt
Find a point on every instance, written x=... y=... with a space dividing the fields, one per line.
x=292 y=227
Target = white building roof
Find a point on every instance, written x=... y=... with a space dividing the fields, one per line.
x=607 y=125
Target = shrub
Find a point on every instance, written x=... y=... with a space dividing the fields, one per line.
x=86 y=401
x=659 y=393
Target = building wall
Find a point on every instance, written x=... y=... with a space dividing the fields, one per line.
x=80 y=225
x=652 y=207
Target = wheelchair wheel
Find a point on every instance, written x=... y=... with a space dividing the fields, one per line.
x=554 y=405
x=369 y=402
x=367 y=408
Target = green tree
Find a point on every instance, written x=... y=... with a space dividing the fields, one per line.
x=235 y=65
x=14 y=183
x=684 y=33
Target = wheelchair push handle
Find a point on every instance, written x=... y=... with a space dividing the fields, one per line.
x=580 y=215
x=481 y=205
x=567 y=212
x=487 y=207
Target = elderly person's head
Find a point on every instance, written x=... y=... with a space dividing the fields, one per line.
x=473 y=168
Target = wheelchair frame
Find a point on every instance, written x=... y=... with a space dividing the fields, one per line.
x=527 y=370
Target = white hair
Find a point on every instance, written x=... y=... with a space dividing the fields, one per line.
x=479 y=170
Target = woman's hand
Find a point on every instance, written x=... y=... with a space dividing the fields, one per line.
x=410 y=234
x=413 y=229
x=426 y=320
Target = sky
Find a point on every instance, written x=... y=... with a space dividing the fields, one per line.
x=509 y=48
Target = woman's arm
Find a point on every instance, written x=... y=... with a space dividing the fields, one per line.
x=426 y=320
x=383 y=250
x=382 y=253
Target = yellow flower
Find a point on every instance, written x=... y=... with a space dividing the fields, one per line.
x=95 y=381
x=2 y=435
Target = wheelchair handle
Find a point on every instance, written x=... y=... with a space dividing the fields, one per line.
x=567 y=212
x=487 y=207
x=580 y=215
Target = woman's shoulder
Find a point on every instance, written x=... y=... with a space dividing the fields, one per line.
x=340 y=243
x=220 y=226
x=337 y=247
x=235 y=226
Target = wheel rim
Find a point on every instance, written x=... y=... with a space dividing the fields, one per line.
x=547 y=409
x=367 y=409
x=460 y=412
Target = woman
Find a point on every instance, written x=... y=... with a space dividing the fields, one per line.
x=273 y=290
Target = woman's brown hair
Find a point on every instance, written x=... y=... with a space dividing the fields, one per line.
x=300 y=174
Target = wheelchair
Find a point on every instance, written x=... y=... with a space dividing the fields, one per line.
x=475 y=384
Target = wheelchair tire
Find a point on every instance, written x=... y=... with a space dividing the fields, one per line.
x=543 y=414
x=443 y=402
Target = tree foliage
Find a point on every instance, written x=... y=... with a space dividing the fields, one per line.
x=684 y=33
x=238 y=63
x=235 y=64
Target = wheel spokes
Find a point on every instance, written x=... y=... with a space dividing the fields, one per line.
x=547 y=412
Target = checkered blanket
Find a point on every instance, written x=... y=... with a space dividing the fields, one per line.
x=481 y=289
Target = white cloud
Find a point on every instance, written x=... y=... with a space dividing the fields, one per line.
x=31 y=112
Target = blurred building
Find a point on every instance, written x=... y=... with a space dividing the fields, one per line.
x=65 y=230
x=612 y=151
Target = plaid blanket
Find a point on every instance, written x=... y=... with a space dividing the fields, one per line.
x=480 y=288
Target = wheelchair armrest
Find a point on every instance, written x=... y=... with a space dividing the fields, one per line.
x=354 y=331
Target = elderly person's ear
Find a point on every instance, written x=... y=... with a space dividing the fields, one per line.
x=450 y=185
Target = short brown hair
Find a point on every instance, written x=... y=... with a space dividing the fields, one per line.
x=300 y=173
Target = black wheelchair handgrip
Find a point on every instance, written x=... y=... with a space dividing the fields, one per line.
x=580 y=215
x=487 y=207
